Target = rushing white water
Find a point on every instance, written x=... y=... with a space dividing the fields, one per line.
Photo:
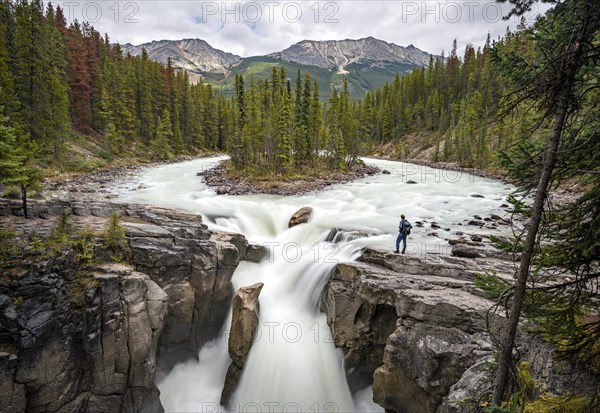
x=293 y=364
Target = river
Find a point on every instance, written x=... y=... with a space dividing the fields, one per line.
x=293 y=364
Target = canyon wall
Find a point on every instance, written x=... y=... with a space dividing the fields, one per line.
x=73 y=340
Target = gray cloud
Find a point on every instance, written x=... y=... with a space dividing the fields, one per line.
x=259 y=27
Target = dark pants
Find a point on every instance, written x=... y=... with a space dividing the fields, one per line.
x=401 y=237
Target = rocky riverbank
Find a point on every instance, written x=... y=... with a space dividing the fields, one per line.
x=221 y=178
x=417 y=328
x=77 y=338
x=567 y=192
x=102 y=184
x=103 y=181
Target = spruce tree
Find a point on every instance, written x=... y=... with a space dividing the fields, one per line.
x=54 y=111
x=554 y=78
x=283 y=158
x=316 y=121
x=8 y=100
x=159 y=147
x=17 y=161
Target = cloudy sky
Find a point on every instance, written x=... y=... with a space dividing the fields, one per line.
x=250 y=28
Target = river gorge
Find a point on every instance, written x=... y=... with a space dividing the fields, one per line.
x=294 y=364
x=343 y=323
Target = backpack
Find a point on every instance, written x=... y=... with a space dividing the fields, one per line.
x=405 y=227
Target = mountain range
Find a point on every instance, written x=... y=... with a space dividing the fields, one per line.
x=367 y=63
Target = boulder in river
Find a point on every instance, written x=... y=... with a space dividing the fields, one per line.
x=244 y=321
x=255 y=253
x=461 y=250
x=460 y=240
x=300 y=217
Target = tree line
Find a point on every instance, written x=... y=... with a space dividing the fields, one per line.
x=282 y=130
x=54 y=77
x=57 y=78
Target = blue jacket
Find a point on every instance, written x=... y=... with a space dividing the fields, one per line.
x=404 y=224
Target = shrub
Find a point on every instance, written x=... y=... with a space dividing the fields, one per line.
x=85 y=248
x=492 y=285
x=79 y=163
x=507 y=246
x=559 y=404
x=9 y=246
x=115 y=240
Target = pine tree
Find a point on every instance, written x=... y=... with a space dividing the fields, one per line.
x=316 y=121
x=29 y=65
x=54 y=114
x=283 y=157
x=8 y=100
x=554 y=77
x=159 y=147
x=113 y=141
x=145 y=111
x=303 y=149
x=177 y=139
x=335 y=139
x=80 y=81
x=11 y=157
x=17 y=156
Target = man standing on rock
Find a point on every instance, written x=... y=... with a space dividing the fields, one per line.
x=403 y=233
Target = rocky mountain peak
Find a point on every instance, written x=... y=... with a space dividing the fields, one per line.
x=194 y=55
x=338 y=54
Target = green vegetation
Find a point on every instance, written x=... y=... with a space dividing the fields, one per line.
x=491 y=284
x=84 y=247
x=558 y=404
x=551 y=71
x=283 y=132
x=9 y=248
x=114 y=239
x=506 y=245
x=68 y=85
x=569 y=327
x=533 y=398
x=362 y=77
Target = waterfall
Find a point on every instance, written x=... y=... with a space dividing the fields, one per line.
x=293 y=364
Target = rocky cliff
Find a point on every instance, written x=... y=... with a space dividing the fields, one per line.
x=93 y=342
x=415 y=327
x=407 y=325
